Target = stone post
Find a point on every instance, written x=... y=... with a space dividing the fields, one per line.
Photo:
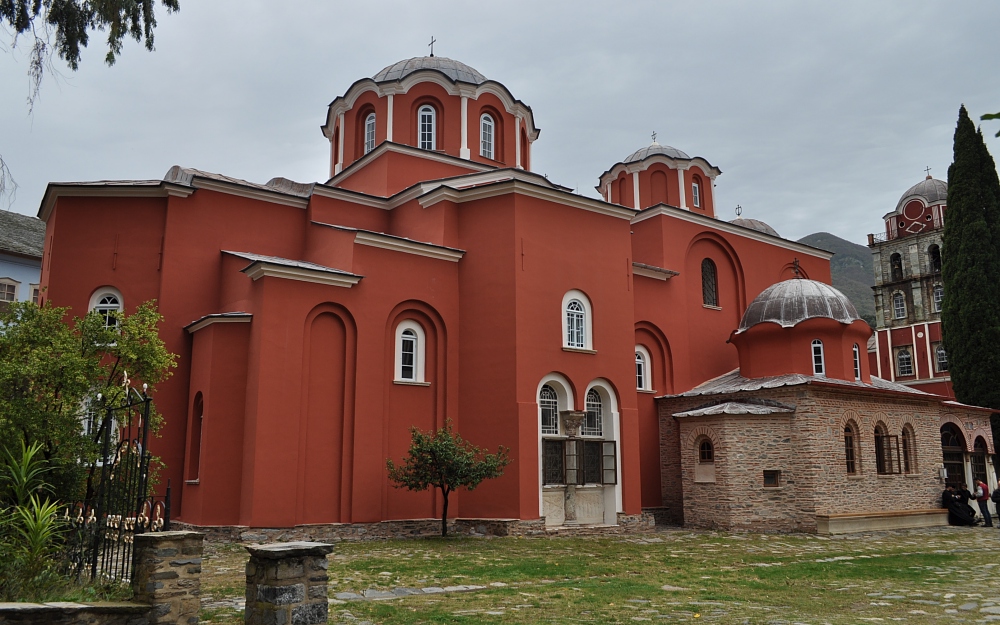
x=168 y=575
x=286 y=584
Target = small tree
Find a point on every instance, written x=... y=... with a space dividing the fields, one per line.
x=446 y=461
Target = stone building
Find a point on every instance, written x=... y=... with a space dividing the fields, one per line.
x=802 y=437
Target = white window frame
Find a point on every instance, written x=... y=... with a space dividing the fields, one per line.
x=898 y=305
x=487 y=136
x=587 y=322
x=594 y=404
x=427 y=140
x=857 y=363
x=940 y=351
x=550 y=403
x=643 y=369
x=937 y=295
x=34 y=293
x=419 y=352
x=98 y=302
x=17 y=289
x=909 y=358
x=369 y=132
x=818 y=359
x=696 y=195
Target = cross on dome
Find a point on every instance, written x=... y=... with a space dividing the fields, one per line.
x=431 y=44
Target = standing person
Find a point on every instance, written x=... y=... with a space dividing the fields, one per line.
x=982 y=498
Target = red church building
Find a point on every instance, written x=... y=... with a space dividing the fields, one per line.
x=434 y=276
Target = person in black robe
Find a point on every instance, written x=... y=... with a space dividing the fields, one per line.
x=959 y=513
x=965 y=497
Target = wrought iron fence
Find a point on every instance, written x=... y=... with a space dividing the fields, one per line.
x=117 y=505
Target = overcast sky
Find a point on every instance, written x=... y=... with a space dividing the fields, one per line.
x=820 y=114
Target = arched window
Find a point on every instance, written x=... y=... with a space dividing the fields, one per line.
x=953 y=452
x=934 y=258
x=696 y=192
x=622 y=190
x=486 y=133
x=548 y=403
x=898 y=305
x=896 y=267
x=709 y=283
x=938 y=297
x=369 y=133
x=706 y=453
x=886 y=451
x=850 y=448
x=577 y=321
x=593 y=425
x=642 y=373
x=909 y=450
x=107 y=303
x=410 y=352
x=904 y=362
x=819 y=366
x=427 y=128
x=978 y=460
x=704 y=468
x=857 y=363
x=941 y=358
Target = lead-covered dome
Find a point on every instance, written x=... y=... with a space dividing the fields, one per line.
x=755 y=224
x=793 y=301
x=655 y=148
x=455 y=70
x=930 y=190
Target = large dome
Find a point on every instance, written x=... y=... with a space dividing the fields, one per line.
x=455 y=70
x=655 y=148
x=755 y=224
x=790 y=302
x=929 y=190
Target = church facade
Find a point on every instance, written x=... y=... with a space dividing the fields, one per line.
x=433 y=277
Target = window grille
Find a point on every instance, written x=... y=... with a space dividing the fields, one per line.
x=909 y=452
x=640 y=371
x=549 y=405
x=609 y=463
x=593 y=425
x=572 y=460
x=408 y=353
x=904 y=363
x=938 y=297
x=575 y=324
x=585 y=462
x=369 y=133
x=706 y=452
x=553 y=469
x=486 y=136
x=108 y=308
x=817 y=353
x=942 y=358
x=857 y=362
x=898 y=306
x=427 y=123
x=850 y=454
x=696 y=194
x=709 y=283
x=886 y=453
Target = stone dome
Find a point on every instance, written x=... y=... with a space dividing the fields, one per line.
x=755 y=224
x=455 y=70
x=655 y=148
x=793 y=301
x=929 y=190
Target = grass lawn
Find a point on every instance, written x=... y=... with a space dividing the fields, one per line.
x=920 y=576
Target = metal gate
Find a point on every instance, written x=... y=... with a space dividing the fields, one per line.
x=117 y=505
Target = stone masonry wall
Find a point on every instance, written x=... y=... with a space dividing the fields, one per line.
x=69 y=613
x=168 y=575
x=287 y=584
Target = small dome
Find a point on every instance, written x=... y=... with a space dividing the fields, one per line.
x=790 y=302
x=655 y=148
x=929 y=190
x=755 y=224
x=455 y=70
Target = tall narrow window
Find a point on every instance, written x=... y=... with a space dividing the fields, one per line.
x=909 y=451
x=486 y=136
x=408 y=355
x=886 y=452
x=410 y=352
x=695 y=194
x=953 y=453
x=194 y=445
x=896 y=267
x=553 y=457
x=575 y=320
x=938 y=297
x=548 y=403
x=369 y=133
x=850 y=452
x=709 y=283
x=898 y=305
x=904 y=362
x=593 y=425
x=427 y=127
x=819 y=366
x=857 y=363
x=642 y=381
x=934 y=257
x=978 y=459
x=941 y=357
x=704 y=469
x=109 y=307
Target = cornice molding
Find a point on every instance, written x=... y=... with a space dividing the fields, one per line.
x=263 y=269
x=138 y=188
x=521 y=187
x=674 y=163
x=274 y=197
x=725 y=226
x=399 y=148
x=652 y=271
x=208 y=320
x=399 y=244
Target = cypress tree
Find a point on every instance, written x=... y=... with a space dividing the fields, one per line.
x=970 y=316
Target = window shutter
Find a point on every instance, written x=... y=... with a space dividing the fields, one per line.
x=609 y=463
x=572 y=463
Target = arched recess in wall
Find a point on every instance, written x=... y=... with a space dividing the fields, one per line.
x=711 y=245
x=624 y=190
x=422 y=405
x=658 y=187
x=329 y=362
x=661 y=367
x=194 y=442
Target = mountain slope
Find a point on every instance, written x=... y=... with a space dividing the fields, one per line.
x=852 y=271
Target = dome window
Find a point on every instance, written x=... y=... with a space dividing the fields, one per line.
x=369 y=133
x=486 y=136
x=819 y=366
x=696 y=194
x=857 y=363
x=427 y=128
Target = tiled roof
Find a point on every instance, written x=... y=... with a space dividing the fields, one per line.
x=21 y=234
x=733 y=382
